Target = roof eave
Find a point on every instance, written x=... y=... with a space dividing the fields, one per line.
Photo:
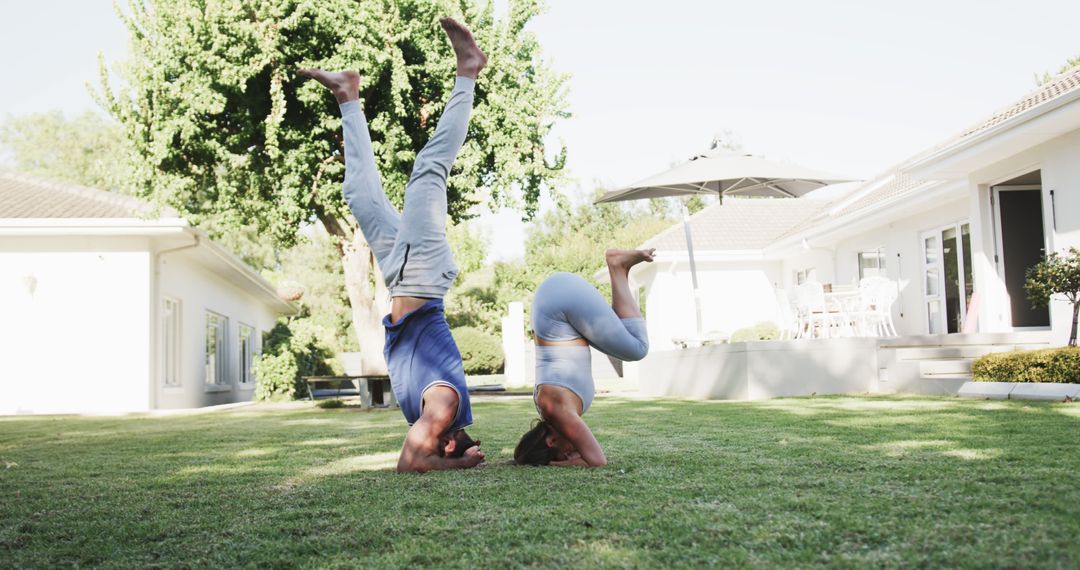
x=919 y=166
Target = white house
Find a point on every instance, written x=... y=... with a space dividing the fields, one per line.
x=956 y=226
x=108 y=306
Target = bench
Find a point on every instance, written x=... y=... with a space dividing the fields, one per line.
x=370 y=387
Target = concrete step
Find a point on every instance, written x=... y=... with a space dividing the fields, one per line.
x=1013 y=338
x=945 y=366
x=938 y=352
x=941 y=385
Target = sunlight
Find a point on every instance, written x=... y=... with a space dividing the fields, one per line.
x=308 y=422
x=973 y=454
x=345 y=466
x=214 y=469
x=904 y=447
x=330 y=441
x=257 y=452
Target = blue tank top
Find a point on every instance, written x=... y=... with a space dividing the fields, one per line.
x=420 y=352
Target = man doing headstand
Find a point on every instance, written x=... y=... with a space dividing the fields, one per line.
x=426 y=372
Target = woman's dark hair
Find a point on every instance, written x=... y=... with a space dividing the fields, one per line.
x=533 y=448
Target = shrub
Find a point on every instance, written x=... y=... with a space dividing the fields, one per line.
x=278 y=376
x=1060 y=365
x=331 y=404
x=481 y=352
x=1057 y=275
x=291 y=351
x=765 y=330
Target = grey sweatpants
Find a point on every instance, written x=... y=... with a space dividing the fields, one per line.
x=410 y=247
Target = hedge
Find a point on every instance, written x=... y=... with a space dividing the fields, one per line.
x=764 y=330
x=1057 y=365
x=481 y=352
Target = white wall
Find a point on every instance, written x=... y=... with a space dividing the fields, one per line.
x=74 y=320
x=903 y=237
x=1059 y=161
x=184 y=276
x=734 y=294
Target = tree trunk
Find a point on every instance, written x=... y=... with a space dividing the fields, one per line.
x=370 y=301
x=1076 y=313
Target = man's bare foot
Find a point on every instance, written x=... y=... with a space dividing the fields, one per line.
x=345 y=85
x=470 y=60
x=627 y=258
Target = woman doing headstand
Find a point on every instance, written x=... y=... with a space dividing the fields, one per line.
x=568 y=316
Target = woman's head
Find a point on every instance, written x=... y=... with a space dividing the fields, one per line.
x=541 y=445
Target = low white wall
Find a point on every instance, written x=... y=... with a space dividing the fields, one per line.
x=74 y=325
x=761 y=370
x=734 y=295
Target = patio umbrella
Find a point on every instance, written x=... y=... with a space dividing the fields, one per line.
x=723 y=173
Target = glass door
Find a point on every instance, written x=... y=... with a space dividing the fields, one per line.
x=948 y=280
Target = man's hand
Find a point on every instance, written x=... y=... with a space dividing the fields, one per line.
x=473 y=456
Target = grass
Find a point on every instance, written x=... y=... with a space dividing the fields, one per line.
x=847 y=481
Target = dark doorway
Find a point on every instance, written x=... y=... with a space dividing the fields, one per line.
x=1022 y=245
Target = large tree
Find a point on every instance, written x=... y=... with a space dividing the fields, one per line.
x=85 y=149
x=227 y=133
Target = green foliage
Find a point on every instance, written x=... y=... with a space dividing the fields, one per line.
x=481 y=352
x=765 y=330
x=570 y=238
x=331 y=404
x=278 y=376
x=314 y=265
x=1056 y=275
x=225 y=131
x=1059 y=365
x=87 y=149
x=1047 y=77
x=291 y=350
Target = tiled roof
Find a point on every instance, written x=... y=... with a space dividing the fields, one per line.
x=25 y=196
x=739 y=224
x=1058 y=86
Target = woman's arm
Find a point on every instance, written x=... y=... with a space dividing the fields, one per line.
x=574 y=429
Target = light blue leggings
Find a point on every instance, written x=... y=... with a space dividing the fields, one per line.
x=566 y=307
x=411 y=247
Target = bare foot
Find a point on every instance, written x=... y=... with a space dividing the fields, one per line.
x=470 y=60
x=345 y=85
x=627 y=258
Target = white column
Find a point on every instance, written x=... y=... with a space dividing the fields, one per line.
x=513 y=339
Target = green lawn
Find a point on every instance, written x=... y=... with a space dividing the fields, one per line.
x=824 y=481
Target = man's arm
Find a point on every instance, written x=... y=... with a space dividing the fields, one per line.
x=420 y=453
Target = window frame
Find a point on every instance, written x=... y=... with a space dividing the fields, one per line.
x=169 y=343
x=220 y=378
x=248 y=348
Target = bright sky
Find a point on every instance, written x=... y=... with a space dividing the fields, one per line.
x=847 y=86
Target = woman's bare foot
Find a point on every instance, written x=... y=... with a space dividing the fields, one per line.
x=470 y=60
x=627 y=258
x=345 y=85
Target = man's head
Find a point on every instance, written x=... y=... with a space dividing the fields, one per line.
x=454 y=443
x=541 y=445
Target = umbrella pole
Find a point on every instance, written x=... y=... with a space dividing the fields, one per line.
x=693 y=266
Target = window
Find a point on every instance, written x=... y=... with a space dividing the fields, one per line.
x=804 y=275
x=248 y=350
x=216 y=354
x=872 y=264
x=170 y=341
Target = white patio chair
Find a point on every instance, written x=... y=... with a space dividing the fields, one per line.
x=815 y=319
x=876 y=298
x=790 y=324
